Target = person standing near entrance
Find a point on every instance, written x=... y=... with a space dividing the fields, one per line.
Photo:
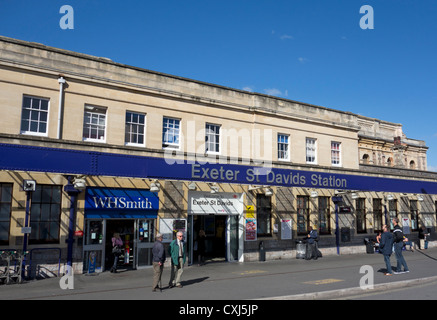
x=177 y=253
x=201 y=247
x=386 y=248
x=158 y=261
x=117 y=244
x=398 y=238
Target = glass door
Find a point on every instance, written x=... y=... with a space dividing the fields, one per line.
x=144 y=240
x=94 y=247
x=233 y=237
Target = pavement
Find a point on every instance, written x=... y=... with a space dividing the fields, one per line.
x=329 y=277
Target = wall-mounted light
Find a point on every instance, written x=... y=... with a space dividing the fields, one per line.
x=155 y=186
x=314 y=194
x=192 y=186
x=419 y=197
x=390 y=197
x=29 y=185
x=268 y=191
x=354 y=195
x=79 y=184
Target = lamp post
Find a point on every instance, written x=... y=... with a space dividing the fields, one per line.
x=73 y=188
x=336 y=201
x=29 y=186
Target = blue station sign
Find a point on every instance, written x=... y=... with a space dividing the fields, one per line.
x=66 y=161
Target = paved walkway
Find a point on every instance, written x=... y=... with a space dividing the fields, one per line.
x=326 y=278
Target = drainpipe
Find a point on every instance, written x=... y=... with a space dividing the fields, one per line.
x=61 y=81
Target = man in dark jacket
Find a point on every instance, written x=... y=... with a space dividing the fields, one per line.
x=398 y=238
x=158 y=260
x=311 y=245
x=386 y=248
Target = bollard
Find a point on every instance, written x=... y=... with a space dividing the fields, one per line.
x=262 y=252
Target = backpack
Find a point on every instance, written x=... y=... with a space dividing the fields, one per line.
x=398 y=235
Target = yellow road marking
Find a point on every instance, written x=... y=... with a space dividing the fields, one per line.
x=324 y=281
x=249 y=272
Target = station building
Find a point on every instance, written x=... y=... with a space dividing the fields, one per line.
x=90 y=147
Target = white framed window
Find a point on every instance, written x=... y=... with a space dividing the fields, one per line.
x=170 y=133
x=34 y=116
x=212 y=138
x=94 y=124
x=311 y=150
x=135 y=128
x=283 y=147
x=335 y=153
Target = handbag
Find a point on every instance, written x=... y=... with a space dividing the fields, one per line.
x=116 y=250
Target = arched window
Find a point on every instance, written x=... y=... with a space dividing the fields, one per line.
x=390 y=161
x=366 y=159
x=412 y=164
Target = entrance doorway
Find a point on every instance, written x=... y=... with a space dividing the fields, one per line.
x=219 y=242
x=125 y=228
x=138 y=238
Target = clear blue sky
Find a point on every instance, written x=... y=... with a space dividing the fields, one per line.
x=311 y=51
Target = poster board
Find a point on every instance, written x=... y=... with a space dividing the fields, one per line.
x=286 y=233
x=250 y=229
x=169 y=227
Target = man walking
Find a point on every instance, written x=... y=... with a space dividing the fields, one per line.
x=398 y=238
x=158 y=260
x=177 y=253
x=386 y=248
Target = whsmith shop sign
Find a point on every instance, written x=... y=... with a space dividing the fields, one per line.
x=120 y=203
x=66 y=161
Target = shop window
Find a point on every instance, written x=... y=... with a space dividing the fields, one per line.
x=45 y=214
x=360 y=205
x=5 y=211
x=414 y=215
x=324 y=215
x=377 y=215
x=392 y=211
x=34 y=116
x=94 y=124
x=303 y=211
x=264 y=215
x=135 y=128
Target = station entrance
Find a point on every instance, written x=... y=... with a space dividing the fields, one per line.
x=213 y=238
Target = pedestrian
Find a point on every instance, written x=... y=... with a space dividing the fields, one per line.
x=398 y=238
x=311 y=245
x=117 y=245
x=386 y=248
x=201 y=247
x=423 y=238
x=177 y=253
x=158 y=260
